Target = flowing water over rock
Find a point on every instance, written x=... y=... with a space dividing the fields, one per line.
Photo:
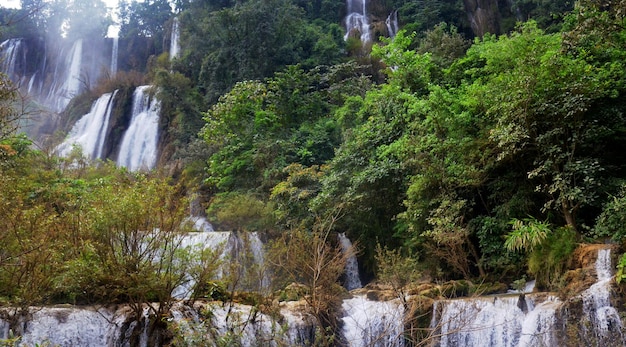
x=352 y=279
x=90 y=131
x=357 y=22
x=372 y=323
x=392 y=23
x=114 y=55
x=603 y=320
x=52 y=73
x=11 y=55
x=513 y=320
x=174 y=39
x=138 y=149
x=537 y=319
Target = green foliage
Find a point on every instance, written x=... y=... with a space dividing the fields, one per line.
x=395 y=269
x=240 y=211
x=612 y=220
x=549 y=260
x=9 y=115
x=526 y=235
x=252 y=40
x=309 y=258
x=621 y=269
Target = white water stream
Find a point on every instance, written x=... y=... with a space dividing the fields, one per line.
x=357 y=21
x=352 y=279
x=138 y=149
x=90 y=131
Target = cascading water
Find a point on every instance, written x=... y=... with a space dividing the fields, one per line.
x=352 y=279
x=368 y=323
x=71 y=86
x=604 y=318
x=67 y=327
x=495 y=321
x=114 y=54
x=90 y=131
x=532 y=319
x=10 y=55
x=357 y=21
x=139 y=144
x=392 y=23
x=174 y=39
x=195 y=243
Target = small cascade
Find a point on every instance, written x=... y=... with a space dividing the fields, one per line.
x=114 y=56
x=392 y=24
x=138 y=148
x=90 y=131
x=196 y=243
x=604 y=318
x=68 y=327
x=245 y=250
x=357 y=21
x=513 y=320
x=368 y=323
x=255 y=246
x=352 y=281
x=174 y=39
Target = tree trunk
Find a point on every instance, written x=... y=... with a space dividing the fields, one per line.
x=568 y=214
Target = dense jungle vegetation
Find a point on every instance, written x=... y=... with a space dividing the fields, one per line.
x=463 y=156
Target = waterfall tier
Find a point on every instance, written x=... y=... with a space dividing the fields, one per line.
x=392 y=24
x=90 y=131
x=174 y=39
x=357 y=20
x=138 y=149
x=503 y=320
x=53 y=74
x=352 y=279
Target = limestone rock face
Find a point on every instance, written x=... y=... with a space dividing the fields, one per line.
x=483 y=15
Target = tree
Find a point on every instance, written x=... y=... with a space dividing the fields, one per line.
x=9 y=115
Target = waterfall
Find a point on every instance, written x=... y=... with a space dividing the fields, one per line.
x=139 y=144
x=392 y=23
x=174 y=39
x=368 y=323
x=534 y=319
x=68 y=327
x=71 y=86
x=511 y=320
x=357 y=20
x=114 y=54
x=10 y=53
x=352 y=266
x=90 y=131
x=603 y=317
x=195 y=243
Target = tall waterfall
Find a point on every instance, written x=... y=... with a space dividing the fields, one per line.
x=357 y=21
x=71 y=85
x=174 y=39
x=10 y=56
x=90 y=131
x=139 y=144
x=392 y=23
x=352 y=281
x=114 y=55
x=52 y=73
